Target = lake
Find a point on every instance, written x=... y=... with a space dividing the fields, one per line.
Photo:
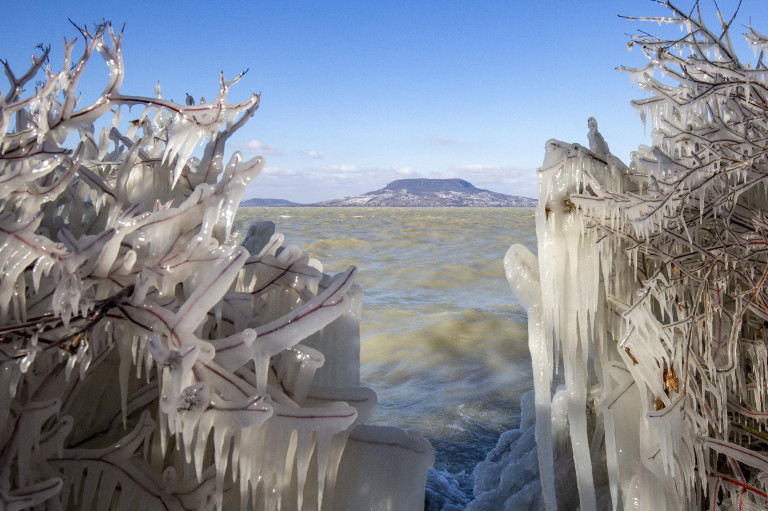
x=443 y=341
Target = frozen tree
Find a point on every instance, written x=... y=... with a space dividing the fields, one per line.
x=152 y=355
x=650 y=289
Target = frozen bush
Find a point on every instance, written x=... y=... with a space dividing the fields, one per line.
x=152 y=356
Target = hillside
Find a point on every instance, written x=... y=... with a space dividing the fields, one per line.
x=271 y=203
x=432 y=192
x=417 y=193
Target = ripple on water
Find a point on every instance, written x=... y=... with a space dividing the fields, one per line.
x=444 y=345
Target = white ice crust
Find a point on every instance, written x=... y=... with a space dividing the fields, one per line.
x=154 y=354
x=648 y=300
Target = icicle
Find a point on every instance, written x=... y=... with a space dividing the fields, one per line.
x=522 y=273
x=128 y=242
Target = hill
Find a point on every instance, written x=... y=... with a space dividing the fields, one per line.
x=272 y=203
x=431 y=193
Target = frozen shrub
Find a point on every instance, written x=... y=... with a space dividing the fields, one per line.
x=650 y=289
x=152 y=356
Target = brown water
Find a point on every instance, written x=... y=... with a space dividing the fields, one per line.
x=444 y=344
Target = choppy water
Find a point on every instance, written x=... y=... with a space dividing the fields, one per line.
x=444 y=344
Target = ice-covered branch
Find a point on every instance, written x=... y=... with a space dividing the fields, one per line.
x=131 y=317
x=652 y=280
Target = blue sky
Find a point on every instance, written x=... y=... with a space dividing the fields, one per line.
x=358 y=93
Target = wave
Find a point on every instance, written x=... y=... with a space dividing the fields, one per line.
x=444 y=345
x=332 y=244
x=471 y=364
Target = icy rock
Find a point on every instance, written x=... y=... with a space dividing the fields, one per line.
x=508 y=478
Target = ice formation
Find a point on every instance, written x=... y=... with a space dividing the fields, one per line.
x=151 y=355
x=648 y=298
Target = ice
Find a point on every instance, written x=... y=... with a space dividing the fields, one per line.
x=649 y=289
x=507 y=479
x=405 y=492
x=147 y=359
x=522 y=270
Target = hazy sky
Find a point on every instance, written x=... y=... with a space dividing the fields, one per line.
x=357 y=93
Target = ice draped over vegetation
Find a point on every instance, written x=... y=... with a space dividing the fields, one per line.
x=648 y=300
x=151 y=355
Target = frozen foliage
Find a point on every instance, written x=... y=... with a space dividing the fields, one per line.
x=152 y=356
x=649 y=291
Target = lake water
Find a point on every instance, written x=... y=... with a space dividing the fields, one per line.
x=444 y=343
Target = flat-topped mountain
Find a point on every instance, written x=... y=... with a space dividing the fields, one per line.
x=414 y=193
x=431 y=192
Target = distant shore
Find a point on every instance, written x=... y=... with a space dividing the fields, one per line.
x=415 y=193
x=364 y=206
